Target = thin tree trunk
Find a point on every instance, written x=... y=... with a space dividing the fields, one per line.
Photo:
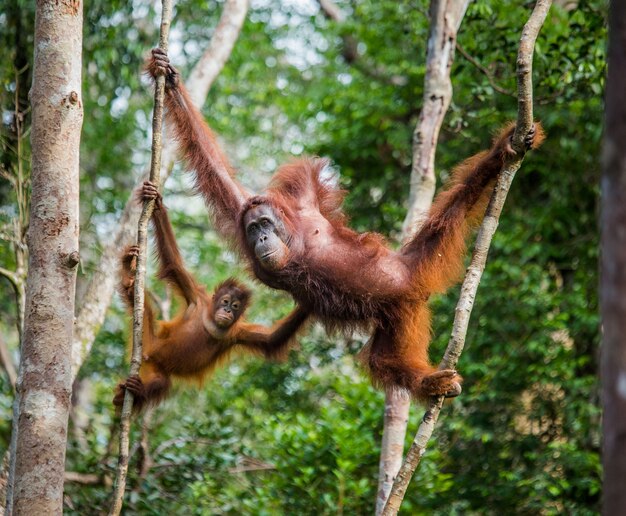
x=45 y=380
x=479 y=257
x=445 y=19
x=216 y=55
x=140 y=273
x=397 y=404
x=613 y=267
x=99 y=292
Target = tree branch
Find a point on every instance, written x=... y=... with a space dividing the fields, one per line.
x=479 y=257
x=88 y=479
x=10 y=275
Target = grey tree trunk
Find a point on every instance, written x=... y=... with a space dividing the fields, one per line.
x=445 y=19
x=613 y=267
x=45 y=380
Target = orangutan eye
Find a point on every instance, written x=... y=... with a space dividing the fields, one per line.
x=235 y=306
x=224 y=301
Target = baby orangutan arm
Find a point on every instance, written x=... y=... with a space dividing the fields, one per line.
x=274 y=342
x=171 y=266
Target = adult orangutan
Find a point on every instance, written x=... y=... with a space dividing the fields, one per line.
x=295 y=238
x=206 y=331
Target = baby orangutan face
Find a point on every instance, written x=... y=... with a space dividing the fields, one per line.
x=227 y=311
x=229 y=303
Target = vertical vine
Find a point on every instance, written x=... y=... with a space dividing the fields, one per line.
x=142 y=242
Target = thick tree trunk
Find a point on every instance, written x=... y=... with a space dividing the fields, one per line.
x=613 y=267
x=45 y=380
x=445 y=20
x=99 y=293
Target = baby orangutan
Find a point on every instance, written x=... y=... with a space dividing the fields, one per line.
x=204 y=333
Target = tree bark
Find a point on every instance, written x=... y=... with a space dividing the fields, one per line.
x=445 y=19
x=99 y=292
x=479 y=256
x=45 y=380
x=613 y=269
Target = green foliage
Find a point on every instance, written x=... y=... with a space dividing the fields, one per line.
x=303 y=437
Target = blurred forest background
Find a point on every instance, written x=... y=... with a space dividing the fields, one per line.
x=303 y=437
